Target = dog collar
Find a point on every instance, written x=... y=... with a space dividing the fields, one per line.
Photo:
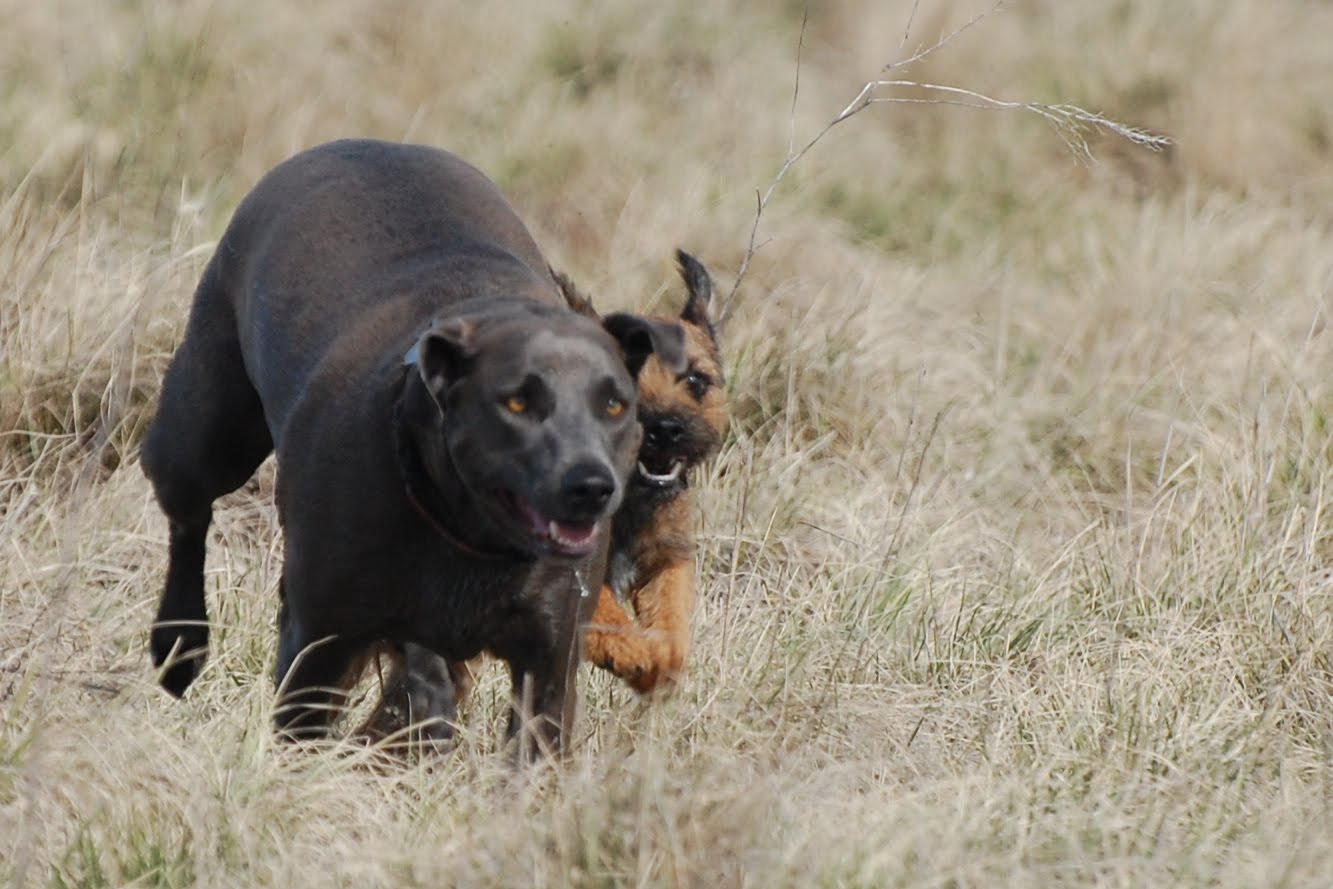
x=423 y=496
x=437 y=523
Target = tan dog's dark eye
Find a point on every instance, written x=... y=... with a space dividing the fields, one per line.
x=698 y=384
x=614 y=407
x=516 y=404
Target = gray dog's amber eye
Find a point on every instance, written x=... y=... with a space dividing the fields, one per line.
x=614 y=407
x=516 y=404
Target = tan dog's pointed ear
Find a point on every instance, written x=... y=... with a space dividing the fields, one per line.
x=640 y=337
x=700 y=287
x=443 y=354
x=573 y=297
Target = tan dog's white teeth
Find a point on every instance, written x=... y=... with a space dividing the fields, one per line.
x=664 y=478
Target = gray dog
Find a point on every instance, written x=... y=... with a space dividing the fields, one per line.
x=452 y=439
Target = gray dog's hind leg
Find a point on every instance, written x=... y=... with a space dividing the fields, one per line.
x=208 y=437
x=313 y=675
x=420 y=699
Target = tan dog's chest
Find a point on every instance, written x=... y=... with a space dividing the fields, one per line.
x=622 y=574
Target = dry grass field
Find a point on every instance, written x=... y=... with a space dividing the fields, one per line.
x=1016 y=569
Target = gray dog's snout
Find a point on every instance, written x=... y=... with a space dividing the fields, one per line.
x=586 y=488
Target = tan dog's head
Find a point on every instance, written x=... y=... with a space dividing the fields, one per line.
x=684 y=415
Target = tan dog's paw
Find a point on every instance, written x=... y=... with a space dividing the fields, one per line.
x=665 y=664
x=619 y=651
x=647 y=663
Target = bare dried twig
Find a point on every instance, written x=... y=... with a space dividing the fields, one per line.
x=938 y=44
x=1071 y=121
x=911 y=17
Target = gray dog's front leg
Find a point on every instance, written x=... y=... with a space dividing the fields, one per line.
x=535 y=716
x=544 y=667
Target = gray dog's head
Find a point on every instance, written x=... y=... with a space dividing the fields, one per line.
x=535 y=419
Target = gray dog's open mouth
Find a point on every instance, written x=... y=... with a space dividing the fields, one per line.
x=565 y=538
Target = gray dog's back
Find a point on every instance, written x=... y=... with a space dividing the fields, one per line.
x=307 y=251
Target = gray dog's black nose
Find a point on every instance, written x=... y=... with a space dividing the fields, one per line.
x=587 y=487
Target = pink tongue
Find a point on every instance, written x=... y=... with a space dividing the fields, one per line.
x=569 y=535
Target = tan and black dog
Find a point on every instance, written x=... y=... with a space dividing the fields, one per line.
x=651 y=566
x=452 y=440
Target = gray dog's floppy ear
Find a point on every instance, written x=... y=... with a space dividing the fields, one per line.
x=640 y=337
x=700 y=287
x=443 y=354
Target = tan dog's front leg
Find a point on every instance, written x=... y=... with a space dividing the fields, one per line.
x=648 y=653
x=612 y=641
x=663 y=608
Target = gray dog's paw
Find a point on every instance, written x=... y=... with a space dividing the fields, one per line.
x=179 y=652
